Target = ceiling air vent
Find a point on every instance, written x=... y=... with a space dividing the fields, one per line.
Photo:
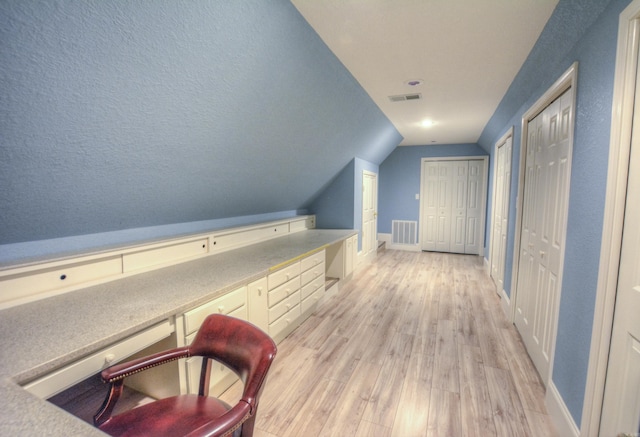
x=405 y=97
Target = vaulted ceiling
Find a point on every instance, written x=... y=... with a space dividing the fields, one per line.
x=459 y=56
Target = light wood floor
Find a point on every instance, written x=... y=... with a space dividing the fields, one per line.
x=416 y=344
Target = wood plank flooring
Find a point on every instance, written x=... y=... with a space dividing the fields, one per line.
x=416 y=344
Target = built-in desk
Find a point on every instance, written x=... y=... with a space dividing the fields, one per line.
x=41 y=337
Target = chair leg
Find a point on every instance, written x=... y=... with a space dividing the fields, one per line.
x=205 y=377
x=109 y=403
x=248 y=425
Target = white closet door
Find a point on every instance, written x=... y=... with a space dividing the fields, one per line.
x=621 y=407
x=453 y=205
x=444 y=206
x=430 y=205
x=500 y=218
x=545 y=204
x=474 y=207
x=529 y=232
x=459 y=206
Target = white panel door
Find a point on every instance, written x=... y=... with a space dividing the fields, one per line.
x=430 y=206
x=369 y=213
x=543 y=230
x=474 y=207
x=443 y=205
x=529 y=231
x=621 y=406
x=453 y=205
x=459 y=172
x=500 y=220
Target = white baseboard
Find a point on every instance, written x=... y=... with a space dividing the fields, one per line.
x=564 y=423
x=506 y=304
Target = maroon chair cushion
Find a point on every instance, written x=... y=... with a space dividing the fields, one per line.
x=172 y=416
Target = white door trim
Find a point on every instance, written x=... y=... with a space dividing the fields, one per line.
x=619 y=149
x=500 y=142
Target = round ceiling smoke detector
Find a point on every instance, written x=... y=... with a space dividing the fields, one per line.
x=414 y=82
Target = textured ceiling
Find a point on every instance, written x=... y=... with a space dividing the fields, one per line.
x=466 y=52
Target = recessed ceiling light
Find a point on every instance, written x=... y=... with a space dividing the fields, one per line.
x=414 y=82
x=427 y=123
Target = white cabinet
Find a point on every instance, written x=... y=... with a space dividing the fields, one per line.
x=232 y=304
x=276 y=303
x=283 y=301
x=452 y=210
x=341 y=258
x=279 y=302
x=351 y=254
x=312 y=282
x=257 y=303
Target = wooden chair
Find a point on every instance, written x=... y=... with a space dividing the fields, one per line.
x=239 y=345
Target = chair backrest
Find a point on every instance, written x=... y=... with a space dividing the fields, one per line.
x=239 y=345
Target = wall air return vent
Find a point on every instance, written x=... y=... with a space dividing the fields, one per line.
x=405 y=97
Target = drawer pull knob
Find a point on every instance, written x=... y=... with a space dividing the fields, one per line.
x=109 y=358
x=221 y=308
x=63 y=277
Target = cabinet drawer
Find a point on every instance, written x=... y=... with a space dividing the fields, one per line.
x=284 y=306
x=312 y=260
x=285 y=321
x=238 y=313
x=222 y=305
x=311 y=274
x=164 y=255
x=310 y=301
x=60 y=277
x=311 y=288
x=246 y=237
x=283 y=291
x=281 y=276
x=65 y=377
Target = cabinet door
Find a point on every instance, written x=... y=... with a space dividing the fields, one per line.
x=348 y=260
x=258 y=307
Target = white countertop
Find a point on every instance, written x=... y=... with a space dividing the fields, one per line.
x=45 y=335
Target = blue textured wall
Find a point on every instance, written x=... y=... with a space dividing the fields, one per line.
x=340 y=205
x=128 y=115
x=583 y=31
x=399 y=180
x=334 y=207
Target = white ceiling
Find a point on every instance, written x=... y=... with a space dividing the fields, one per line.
x=466 y=52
